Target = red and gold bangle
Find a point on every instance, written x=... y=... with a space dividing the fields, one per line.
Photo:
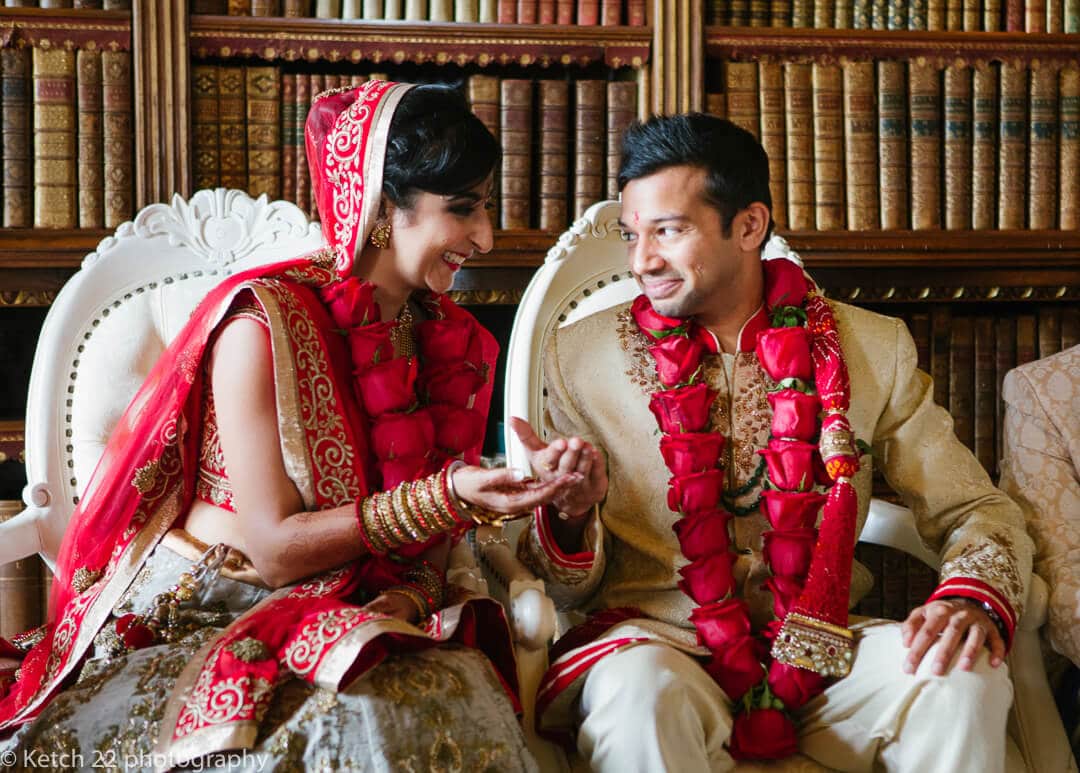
x=430 y=494
x=404 y=515
x=417 y=509
x=448 y=498
x=423 y=605
x=384 y=508
x=367 y=531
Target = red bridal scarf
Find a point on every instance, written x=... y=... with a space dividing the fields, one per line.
x=771 y=672
x=145 y=480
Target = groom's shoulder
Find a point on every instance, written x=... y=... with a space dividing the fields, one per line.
x=590 y=337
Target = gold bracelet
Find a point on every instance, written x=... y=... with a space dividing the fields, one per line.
x=385 y=511
x=371 y=530
x=404 y=514
x=417 y=510
x=428 y=498
x=418 y=601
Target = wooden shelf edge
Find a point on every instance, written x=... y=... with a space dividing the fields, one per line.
x=65 y=28
x=48 y=248
x=338 y=40
x=801 y=44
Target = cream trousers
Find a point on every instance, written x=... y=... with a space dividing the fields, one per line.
x=653 y=708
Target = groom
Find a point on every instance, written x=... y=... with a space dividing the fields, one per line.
x=727 y=423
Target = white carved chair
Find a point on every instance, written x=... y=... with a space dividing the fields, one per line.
x=584 y=273
x=111 y=322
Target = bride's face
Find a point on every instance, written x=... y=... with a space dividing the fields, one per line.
x=438 y=234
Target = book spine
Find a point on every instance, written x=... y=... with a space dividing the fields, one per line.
x=393 y=9
x=716 y=104
x=799 y=120
x=263 y=97
x=879 y=14
x=239 y=7
x=984 y=393
x=827 y=83
x=1035 y=15
x=954 y=15
x=508 y=11
x=898 y=15
x=940 y=326
x=860 y=15
x=961 y=379
x=417 y=10
x=326 y=9
x=636 y=15
x=546 y=12
x=489 y=13
x=20 y=586
x=91 y=140
x=590 y=128
x=1014 y=15
x=1055 y=16
x=483 y=94
x=958 y=147
x=622 y=109
x=554 y=141
x=54 y=139
x=716 y=12
x=466 y=11
x=991 y=16
x=773 y=138
x=740 y=83
x=780 y=13
x=296 y=9
x=802 y=13
x=892 y=144
x=1070 y=327
x=119 y=137
x=740 y=13
x=610 y=12
x=205 y=124
x=515 y=121
x=1069 y=135
x=918 y=15
x=1049 y=331
x=265 y=8
x=935 y=15
x=1043 y=147
x=288 y=136
x=440 y=10
x=1026 y=339
x=860 y=146
x=303 y=175
x=824 y=13
x=1012 y=147
x=234 y=164
x=215 y=7
x=972 y=10
x=760 y=12
x=1072 y=16
x=16 y=147
x=844 y=13
x=1004 y=361
x=925 y=101
x=984 y=116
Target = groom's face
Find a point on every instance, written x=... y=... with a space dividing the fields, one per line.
x=677 y=248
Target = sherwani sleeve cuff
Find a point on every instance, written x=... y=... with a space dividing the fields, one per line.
x=571 y=576
x=984 y=594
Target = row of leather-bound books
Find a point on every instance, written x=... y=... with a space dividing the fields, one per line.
x=864 y=145
x=1054 y=16
x=582 y=12
x=66 y=155
x=559 y=138
x=108 y=5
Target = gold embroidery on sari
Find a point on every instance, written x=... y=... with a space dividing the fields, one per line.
x=145 y=477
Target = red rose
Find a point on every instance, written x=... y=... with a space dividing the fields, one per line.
x=395 y=435
x=771 y=630
x=351 y=302
x=692 y=452
x=784 y=352
x=685 y=409
x=785 y=283
x=457 y=430
x=444 y=341
x=794 y=414
x=790 y=464
x=388 y=386
x=456 y=384
x=697 y=493
x=677 y=359
x=785 y=591
x=651 y=322
x=736 y=667
x=703 y=534
x=792 y=510
x=722 y=622
x=708 y=579
x=794 y=686
x=763 y=734
x=788 y=552
x=371 y=344
x=402 y=468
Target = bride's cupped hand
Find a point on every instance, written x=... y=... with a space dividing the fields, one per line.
x=507 y=491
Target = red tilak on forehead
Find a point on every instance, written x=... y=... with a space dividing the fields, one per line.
x=637 y=219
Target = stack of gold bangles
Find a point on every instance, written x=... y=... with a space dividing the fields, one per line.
x=424 y=585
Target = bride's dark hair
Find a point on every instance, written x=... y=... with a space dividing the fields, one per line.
x=436 y=144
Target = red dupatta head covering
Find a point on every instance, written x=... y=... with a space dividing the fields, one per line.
x=346 y=136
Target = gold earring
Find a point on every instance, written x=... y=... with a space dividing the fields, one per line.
x=380 y=234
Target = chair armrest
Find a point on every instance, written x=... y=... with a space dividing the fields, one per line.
x=20 y=536
x=531 y=612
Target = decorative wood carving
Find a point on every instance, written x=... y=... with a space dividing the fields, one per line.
x=396 y=42
x=65 y=28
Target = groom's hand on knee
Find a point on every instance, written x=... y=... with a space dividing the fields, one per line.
x=952 y=624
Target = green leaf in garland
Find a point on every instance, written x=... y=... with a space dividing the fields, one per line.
x=660 y=335
x=788 y=316
x=794 y=383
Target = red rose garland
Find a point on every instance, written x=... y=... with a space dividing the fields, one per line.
x=801 y=353
x=420 y=409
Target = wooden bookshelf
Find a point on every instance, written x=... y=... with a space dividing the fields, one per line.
x=65 y=28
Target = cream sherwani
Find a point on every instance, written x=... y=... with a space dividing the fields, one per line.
x=599 y=376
